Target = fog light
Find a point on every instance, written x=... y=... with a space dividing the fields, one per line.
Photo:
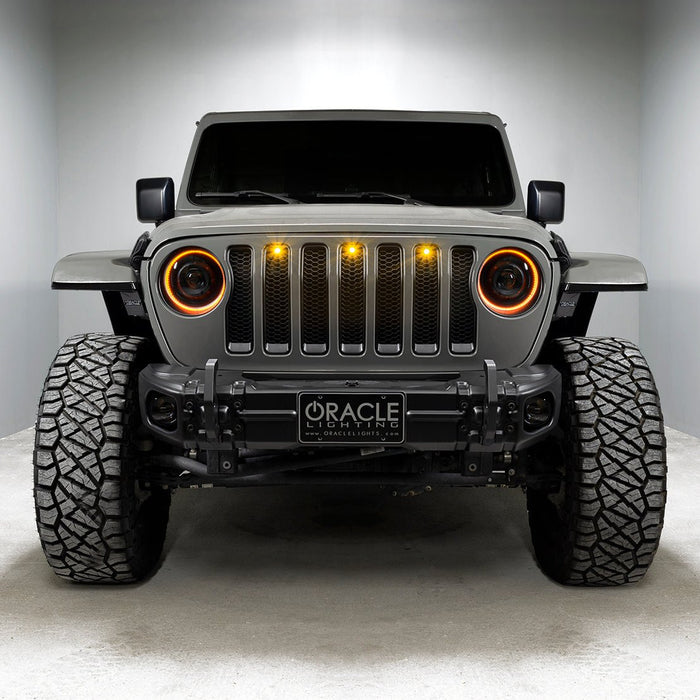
x=538 y=411
x=162 y=410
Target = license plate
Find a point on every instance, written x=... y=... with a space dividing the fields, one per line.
x=351 y=418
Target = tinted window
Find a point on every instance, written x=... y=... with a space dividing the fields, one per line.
x=439 y=163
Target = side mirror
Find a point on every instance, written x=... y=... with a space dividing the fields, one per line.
x=545 y=202
x=155 y=199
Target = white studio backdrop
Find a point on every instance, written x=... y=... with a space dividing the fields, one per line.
x=103 y=93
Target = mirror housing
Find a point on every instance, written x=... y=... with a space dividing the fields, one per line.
x=545 y=201
x=155 y=199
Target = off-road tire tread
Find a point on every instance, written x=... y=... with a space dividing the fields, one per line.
x=607 y=527
x=93 y=526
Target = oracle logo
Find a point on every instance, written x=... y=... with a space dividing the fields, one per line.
x=365 y=412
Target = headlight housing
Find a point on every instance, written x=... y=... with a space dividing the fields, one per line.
x=509 y=282
x=193 y=281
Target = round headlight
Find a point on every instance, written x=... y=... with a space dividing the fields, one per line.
x=509 y=282
x=193 y=281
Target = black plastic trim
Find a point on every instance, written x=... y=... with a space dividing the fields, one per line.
x=563 y=255
x=590 y=287
x=99 y=286
x=572 y=317
x=122 y=322
x=137 y=253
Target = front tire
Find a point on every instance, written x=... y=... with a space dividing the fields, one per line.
x=96 y=523
x=602 y=527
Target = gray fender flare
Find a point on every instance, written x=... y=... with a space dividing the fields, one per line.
x=601 y=272
x=104 y=270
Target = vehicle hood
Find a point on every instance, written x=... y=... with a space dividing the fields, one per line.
x=278 y=219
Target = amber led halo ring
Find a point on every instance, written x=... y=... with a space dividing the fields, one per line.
x=193 y=281
x=509 y=282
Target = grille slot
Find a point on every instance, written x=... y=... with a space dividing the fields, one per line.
x=239 y=312
x=276 y=300
x=389 y=300
x=314 y=300
x=351 y=300
x=462 y=309
x=426 y=300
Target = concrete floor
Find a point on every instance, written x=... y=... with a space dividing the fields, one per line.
x=303 y=594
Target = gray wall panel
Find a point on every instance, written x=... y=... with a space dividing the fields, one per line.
x=28 y=312
x=670 y=317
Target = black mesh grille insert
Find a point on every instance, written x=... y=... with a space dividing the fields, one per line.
x=351 y=299
x=420 y=299
x=389 y=308
x=314 y=299
x=426 y=301
x=462 y=310
x=276 y=302
x=239 y=312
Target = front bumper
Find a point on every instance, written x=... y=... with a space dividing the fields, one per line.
x=224 y=411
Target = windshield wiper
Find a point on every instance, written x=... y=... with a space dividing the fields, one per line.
x=242 y=194
x=372 y=194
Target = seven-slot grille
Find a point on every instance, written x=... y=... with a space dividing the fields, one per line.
x=351 y=299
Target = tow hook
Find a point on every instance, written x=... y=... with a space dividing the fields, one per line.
x=490 y=402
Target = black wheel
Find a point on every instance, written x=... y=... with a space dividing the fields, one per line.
x=96 y=523
x=602 y=527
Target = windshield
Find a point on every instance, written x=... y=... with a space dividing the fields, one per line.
x=448 y=164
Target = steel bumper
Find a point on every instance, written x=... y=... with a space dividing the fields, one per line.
x=479 y=411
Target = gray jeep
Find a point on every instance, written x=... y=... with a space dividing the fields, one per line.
x=350 y=297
